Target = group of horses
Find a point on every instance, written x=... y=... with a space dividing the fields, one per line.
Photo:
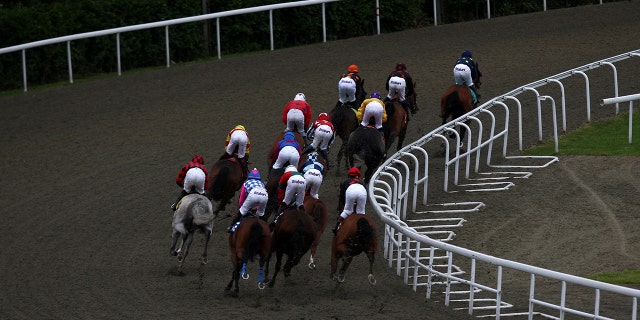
x=364 y=146
x=296 y=232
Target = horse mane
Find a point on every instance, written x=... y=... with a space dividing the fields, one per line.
x=217 y=189
x=255 y=239
x=201 y=211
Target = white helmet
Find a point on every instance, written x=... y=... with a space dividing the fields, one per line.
x=300 y=96
x=290 y=168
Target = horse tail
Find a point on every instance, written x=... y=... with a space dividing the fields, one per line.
x=217 y=189
x=297 y=242
x=364 y=233
x=255 y=240
x=201 y=211
x=453 y=102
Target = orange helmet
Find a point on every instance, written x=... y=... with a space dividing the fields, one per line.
x=353 y=68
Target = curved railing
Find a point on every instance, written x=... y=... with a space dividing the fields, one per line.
x=418 y=248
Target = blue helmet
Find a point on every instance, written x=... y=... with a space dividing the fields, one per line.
x=288 y=136
x=466 y=54
x=254 y=174
x=375 y=94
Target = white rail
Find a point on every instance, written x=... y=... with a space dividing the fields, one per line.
x=630 y=99
x=410 y=246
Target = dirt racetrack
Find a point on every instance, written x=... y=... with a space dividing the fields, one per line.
x=88 y=174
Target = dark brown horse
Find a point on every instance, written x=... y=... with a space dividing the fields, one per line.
x=293 y=235
x=398 y=120
x=318 y=211
x=252 y=237
x=356 y=235
x=225 y=179
x=272 y=190
x=343 y=118
x=365 y=148
x=455 y=102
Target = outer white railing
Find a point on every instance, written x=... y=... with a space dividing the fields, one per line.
x=630 y=99
x=417 y=248
x=167 y=23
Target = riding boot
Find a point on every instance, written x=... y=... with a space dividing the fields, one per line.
x=325 y=155
x=245 y=167
x=476 y=95
x=301 y=208
x=335 y=230
x=235 y=220
x=308 y=149
x=174 y=206
x=405 y=105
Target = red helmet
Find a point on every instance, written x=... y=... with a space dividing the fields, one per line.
x=354 y=172
x=353 y=68
x=401 y=66
x=323 y=116
x=198 y=159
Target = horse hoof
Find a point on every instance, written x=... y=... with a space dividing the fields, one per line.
x=372 y=280
x=173 y=253
x=205 y=260
x=312 y=265
x=262 y=285
x=341 y=278
x=245 y=276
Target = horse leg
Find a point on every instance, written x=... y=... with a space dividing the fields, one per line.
x=185 y=247
x=346 y=261
x=370 y=277
x=235 y=278
x=277 y=267
x=174 y=241
x=207 y=236
x=403 y=133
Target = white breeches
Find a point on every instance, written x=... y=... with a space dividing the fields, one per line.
x=462 y=74
x=287 y=154
x=258 y=197
x=346 y=90
x=313 y=179
x=295 y=118
x=194 y=178
x=356 y=195
x=397 y=88
x=296 y=186
x=238 y=138
x=321 y=137
x=373 y=109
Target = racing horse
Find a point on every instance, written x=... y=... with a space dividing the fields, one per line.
x=251 y=238
x=194 y=213
x=455 y=102
x=226 y=178
x=397 y=120
x=366 y=148
x=294 y=234
x=356 y=235
x=273 y=150
x=343 y=118
x=318 y=211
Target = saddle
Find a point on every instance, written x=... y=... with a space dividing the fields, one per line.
x=241 y=163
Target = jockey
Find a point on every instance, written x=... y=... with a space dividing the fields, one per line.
x=400 y=85
x=353 y=194
x=192 y=178
x=350 y=85
x=291 y=189
x=465 y=70
x=323 y=134
x=372 y=107
x=297 y=114
x=238 y=142
x=313 y=172
x=253 y=194
x=289 y=150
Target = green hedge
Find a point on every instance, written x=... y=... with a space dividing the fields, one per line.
x=23 y=21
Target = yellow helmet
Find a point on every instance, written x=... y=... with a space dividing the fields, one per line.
x=241 y=127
